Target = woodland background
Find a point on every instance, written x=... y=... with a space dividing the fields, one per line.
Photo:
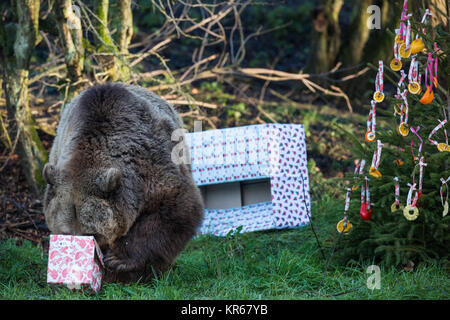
x=227 y=63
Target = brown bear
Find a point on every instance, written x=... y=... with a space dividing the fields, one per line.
x=111 y=175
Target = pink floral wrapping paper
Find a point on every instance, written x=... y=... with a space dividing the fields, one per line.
x=74 y=261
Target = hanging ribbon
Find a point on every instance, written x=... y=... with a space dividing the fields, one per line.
x=376 y=161
x=396 y=62
x=365 y=211
x=403 y=129
x=412 y=143
x=358 y=163
x=371 y=123
x=421 y=165
x=378 y=96
x=413 y=77
x=397 y=205
x=344 y=225
x=402 y=19
x=399 y=107
x=440 y=146
x=359 y=168
x=424 y=21
x=428 y=96
x=405 y=49
x=444 y=203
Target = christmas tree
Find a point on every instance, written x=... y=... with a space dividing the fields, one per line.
x=396 y=210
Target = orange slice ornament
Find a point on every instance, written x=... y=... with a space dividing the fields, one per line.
x=340 y=226
x=398 y=39
x=403 y=129
x=378 y=96
x=414 y=87
x=399 y=108
x=417 y=46
x=370 y=136
x=375 y=172
x=404 y=53
x=428 y=96
x=396 y=64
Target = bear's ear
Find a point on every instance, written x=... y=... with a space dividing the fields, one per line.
x=109 y=180
x=49 y=173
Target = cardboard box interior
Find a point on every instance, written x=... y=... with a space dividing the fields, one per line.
x=236 y=194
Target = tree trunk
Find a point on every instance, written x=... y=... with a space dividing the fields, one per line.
x=15 y=64
x=109 y=55
x=380 y=45
x=357 y=36
x=326 y=37
x=71 y=33
x=125 y=34
x=126 y=25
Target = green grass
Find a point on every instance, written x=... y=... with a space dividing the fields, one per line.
x=283 y=264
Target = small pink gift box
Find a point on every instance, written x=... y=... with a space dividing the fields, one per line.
x=75 y=261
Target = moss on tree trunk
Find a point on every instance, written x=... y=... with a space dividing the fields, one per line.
x=16 y=50
x=109 y=54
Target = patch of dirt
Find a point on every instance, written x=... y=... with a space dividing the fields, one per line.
x=21 y=212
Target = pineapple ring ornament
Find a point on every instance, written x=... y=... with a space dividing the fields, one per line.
x=344 y=225
x=378 y=96
x=373 y=171
x=444 y=203
x=413 y=77
x=396 y=206
x=365 y=211
x=411 y=206
x=371 y=123
x=440 y=146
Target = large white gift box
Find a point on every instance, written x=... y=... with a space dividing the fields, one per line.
x=253 y=177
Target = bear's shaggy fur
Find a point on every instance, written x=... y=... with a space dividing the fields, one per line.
x=110 y=174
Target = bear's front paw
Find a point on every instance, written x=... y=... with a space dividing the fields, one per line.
x=116 y=263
